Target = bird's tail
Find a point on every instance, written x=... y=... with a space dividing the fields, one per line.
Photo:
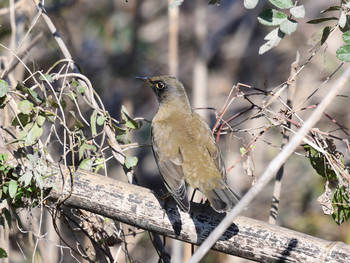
x=222 y=199
x=180 y=196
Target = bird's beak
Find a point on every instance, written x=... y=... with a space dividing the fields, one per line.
x=145 y=79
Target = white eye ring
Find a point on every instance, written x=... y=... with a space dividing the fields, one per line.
x=160 y=85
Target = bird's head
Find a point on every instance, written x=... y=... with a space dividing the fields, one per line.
x=166 y=88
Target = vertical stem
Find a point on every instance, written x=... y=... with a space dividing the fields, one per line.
x=279 y=176
x=173 y=17
x=200 y=70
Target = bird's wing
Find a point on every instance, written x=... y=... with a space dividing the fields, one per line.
x=221 y=197
x=169 y=160
x=202 y=133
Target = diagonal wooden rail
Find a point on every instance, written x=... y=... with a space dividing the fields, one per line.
x=138 y=206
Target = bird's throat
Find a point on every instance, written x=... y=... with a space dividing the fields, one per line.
x=173 y=107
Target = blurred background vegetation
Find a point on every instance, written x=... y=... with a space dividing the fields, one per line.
x=114 y=41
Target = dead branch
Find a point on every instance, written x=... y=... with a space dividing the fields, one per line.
x=138 y=206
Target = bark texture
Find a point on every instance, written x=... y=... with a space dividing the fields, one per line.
x=138 y=206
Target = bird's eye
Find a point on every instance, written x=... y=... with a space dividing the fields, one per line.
x=160 y=85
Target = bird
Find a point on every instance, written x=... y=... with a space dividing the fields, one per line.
x=185 y=149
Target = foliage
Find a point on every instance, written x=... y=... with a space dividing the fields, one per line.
x=19 y=188
x=286 y=23
x=342 y=22
x=3 y=253
x=341 y=204
x=343 y=53
x=330 y=165
x=50 y=112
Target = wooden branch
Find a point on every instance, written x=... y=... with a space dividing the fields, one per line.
x=137 y=206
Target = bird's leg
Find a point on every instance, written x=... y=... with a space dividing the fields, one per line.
x=164 y=198
x=161 y=197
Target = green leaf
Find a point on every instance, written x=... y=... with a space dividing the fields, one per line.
x=129 y=122
x=21 y=118
x=274 y=38
x=282 y=4
x=52 y=102
x=123 y=138
x=130 y=161
x=3 y=157
x=25 y=106
x=26 y=178
x=46 y=77
x=37 y=131
x=271 y=17
x=342 y=19
x=214 y=2
x=34 y=96
x=5 y=188
x=78 y=122
x=75 y=83
x=8 y=217
x=85 y=147
x=242 y=150
x=38 y=179
x=330 y=9
x=321 y=20
x=86 y=164
x=119 y=130
x=343 y=53
x=3 y=253
x=132 y=124
x=125 y=114
x=4 y=87
x=346 y=37
x=346 y=26
x=250 y=4
x=325 y=34
x=81 y=89
x=341 y=205
x=3 y=102
x=33 y=133
x=319 y=37
x=50 y=117
x=298 y=11
x=23 y=133
x=99 y=164
x=72 y=96
x=40 y=120
x=320 y=163
x=101 y=120
x=12 y=188
x=28 y=138
x=93 y=122
x=289 y=26
x=175 y=3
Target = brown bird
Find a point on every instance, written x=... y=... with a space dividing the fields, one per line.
x=185 y=149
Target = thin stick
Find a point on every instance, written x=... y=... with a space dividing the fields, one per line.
x=285 y=139
x=272 y=168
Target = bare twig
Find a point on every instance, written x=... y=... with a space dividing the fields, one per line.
x=173 y=16
x=272 y=168
x=279 y=176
